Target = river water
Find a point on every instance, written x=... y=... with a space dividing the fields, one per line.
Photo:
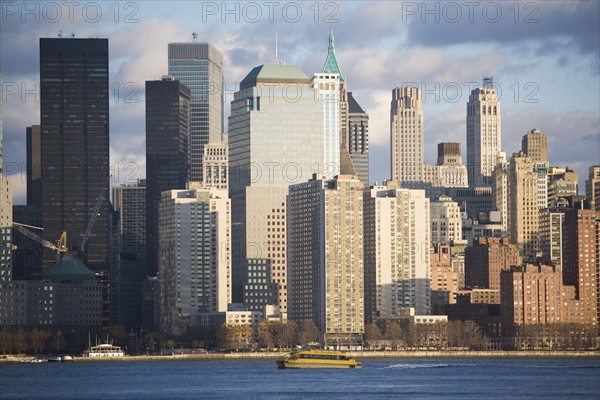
x=455 y=378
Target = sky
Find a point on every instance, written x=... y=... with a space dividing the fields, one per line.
x=543 y=56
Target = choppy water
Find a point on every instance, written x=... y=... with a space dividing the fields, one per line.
x=252 y=379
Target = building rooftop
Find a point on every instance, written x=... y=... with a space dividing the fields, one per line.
x=274 y=73
x=69 y=269
x=353 y=106
x=331 y=64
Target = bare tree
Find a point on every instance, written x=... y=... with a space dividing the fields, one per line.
x=474 y=338
x=38 y=340
x=288 y=332
x=265 y=336
x=309 y=332
x=372 y=334
x=57 y=341
x=234 y=336
x=394 y=334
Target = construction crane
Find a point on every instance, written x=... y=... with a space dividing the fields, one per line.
x=90 y=225
x=61 y=244
x=59 y=247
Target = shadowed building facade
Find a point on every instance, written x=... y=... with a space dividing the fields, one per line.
x=167 y=134
x=75 y=145
x=358 y=138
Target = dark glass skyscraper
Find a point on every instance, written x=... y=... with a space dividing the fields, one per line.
x=199 y=66
x=167 y=134
x=358 y=138
x=75 y=144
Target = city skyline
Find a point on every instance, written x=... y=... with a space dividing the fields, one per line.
x=551 y=62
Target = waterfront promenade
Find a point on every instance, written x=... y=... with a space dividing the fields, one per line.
x=356 y=354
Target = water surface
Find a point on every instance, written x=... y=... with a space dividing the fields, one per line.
x=456 y=378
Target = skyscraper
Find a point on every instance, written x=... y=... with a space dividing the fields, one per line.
x=446 y=221
x=332 y=66
x=34 y=166
x=451 y=170
x=562 y=183
x=581 y=260
x=75 y=145
x=215 y=165
x=129 y=202
x=406 y=135
x=358 y=138
x=397 y=240
x=527 y=191
x=500 y=189
x=483 y=133
x=273 y=142
x=535 y=145
x=592 y=187
x=327 y=86
x=167 y=134
x=199 y=66
x=194 y=256
x=325 y=244
x=6 y=215
x=485 y=259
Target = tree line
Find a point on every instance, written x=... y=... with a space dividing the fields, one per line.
x=397 y=334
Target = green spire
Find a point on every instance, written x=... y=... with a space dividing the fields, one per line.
x=331 y=65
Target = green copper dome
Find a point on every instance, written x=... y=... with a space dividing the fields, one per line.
x=69 y=269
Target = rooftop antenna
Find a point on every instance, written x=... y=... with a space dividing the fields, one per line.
x=276 y=55
x=194 y=37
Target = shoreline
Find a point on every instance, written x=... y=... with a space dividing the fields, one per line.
x=355 y=354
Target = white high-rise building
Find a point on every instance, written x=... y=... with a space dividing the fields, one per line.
x=397 y=242
x=215 y=164
x=327 y=86
x=325 y=249
x=446 y=221
x=194 y=255
x=406 y=135
x=483 y=134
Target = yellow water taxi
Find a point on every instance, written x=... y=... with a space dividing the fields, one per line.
x=312 y=356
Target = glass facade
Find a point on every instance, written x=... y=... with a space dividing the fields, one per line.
x=200 y=67
x=275 y=139
x=75 y=144
x=167 y=133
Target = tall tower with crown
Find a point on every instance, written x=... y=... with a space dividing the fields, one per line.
x=354 y=131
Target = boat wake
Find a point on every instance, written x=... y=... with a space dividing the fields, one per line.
x=415 y=366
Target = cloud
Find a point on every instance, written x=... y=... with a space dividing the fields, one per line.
x=546 y=26
x=378 y=46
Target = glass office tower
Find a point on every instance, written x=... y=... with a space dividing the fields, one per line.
x=275 y=139
x=75 y=145
x=199 y=66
